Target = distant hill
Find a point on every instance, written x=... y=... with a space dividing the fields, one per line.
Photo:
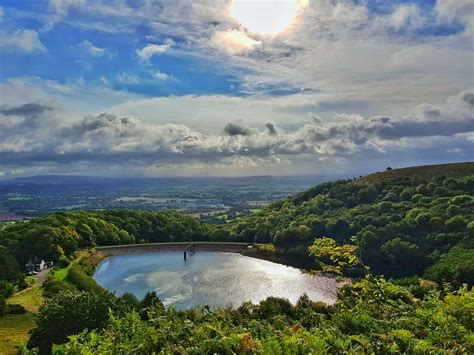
x=422 y=171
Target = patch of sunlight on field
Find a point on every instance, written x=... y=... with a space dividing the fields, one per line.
x=30 y=298
x=14 y=331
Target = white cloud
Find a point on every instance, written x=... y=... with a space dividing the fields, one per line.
x=450 y=11
x=93 y=50
x=152 y=49
x=234 y=41
x=61 y=7
x=406 y=16
x=160 y=76
x=23 y=41
x=128 y=78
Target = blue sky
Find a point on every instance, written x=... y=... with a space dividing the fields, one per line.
x=181 y=87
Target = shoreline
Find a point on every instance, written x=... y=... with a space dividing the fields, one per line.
x=246 y=249
x=171 y=247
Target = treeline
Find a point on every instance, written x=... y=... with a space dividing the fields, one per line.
x=58 y=236
x=406 y=225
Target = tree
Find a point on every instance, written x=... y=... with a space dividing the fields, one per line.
x=335 y=258
x=9 y=267
x=65 y=314
x=403 y=257
x=456 y=265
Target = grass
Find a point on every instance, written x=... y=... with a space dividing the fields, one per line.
x=14 y=328
x=60 y=274
x=30 y=298
x=14 y=331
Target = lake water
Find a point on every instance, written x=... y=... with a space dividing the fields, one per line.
x=213 y=278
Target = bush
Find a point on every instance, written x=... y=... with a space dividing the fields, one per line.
x=65 y=314
x=83 y=281
x=3 y=306
x=53 y=286
x=273 y=306
x=63 y=262
x=456 y=265
x=16 y=309
x=6 y=289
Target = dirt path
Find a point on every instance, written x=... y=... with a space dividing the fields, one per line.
x=41 y=276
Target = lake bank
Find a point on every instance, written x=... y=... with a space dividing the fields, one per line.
x=258 y=251
x=173 y=247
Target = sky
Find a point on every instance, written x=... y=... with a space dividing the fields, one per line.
x=234 y=87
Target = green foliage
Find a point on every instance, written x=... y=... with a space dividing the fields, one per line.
x=401 y=220
x=83 y=281
x=335 y=258
x=3 y=305
x=9 y=267
x=372 y=316
x=16 y=309
x=457 y=265
x=400 y=223
x=67 y=314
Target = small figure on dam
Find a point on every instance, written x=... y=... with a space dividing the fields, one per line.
x=185 y=256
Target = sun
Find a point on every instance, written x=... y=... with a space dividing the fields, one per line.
x=265 y=16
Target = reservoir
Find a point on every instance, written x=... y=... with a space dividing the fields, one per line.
x=218 y=279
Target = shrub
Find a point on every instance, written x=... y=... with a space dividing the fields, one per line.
x=3 y=306
x=16 y=309
x=83 y=281
x=65 y=314
x=53 y=286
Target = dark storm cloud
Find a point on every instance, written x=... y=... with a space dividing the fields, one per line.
x=271 y=128
x=237 y=129
x=468 y=97
x=28 y=110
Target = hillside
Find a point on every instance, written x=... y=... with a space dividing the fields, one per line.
x=402 y=220
x=454 y=169
x=416 y=222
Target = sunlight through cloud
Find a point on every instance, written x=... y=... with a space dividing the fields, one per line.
x=265 y=16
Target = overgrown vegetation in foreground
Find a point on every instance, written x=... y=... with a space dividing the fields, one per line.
x=415 y=226
x=372 y=315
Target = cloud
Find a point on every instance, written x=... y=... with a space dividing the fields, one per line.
x=152 y=49
x=406 y=16
x=398 y=56
x=23 y=41
x=128 y=78
x=94 y=51
x=33 y=134
x=237 y=129
x=160 y=76
x=271 y=128
x=25 y=110
x=234 y=41
x=61 y=7
x=462 y=11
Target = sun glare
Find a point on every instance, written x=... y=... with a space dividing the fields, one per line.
x=265 y=16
